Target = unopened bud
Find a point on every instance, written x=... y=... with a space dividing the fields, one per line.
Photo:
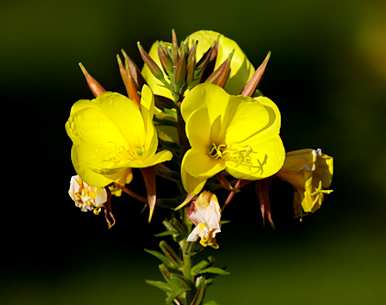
x=95 y=87
x=252 y=84
x=155 y=70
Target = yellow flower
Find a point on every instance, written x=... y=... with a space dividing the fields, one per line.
x=241 y=68
x=234 y=133
x=112 y=134
x=86 y=197
x=205 y=213
x=310 y=172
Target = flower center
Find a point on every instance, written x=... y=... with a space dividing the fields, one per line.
x=216 y=151
x=241 y=155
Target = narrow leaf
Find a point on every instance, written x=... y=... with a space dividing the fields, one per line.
x=214 y=270
x=199 y=266
x=161 y=285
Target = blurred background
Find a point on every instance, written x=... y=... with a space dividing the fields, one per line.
x=327 y=74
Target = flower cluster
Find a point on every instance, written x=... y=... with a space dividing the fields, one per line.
x=199 y=95
x=192 y=115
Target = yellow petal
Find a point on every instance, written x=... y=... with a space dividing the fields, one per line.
x=82 y=169
x=300 y=160
x=324 y=169
x=205 y=95
x=147 y=110
x=192 y=185
x=151 y=160
x=255 y=158
x=94 y=173
x=198 y=129
x=274 y=113
x=220 y=106
x=87 y=123
x=251 y=118
x=125 y=114
x=147 y=106
x=198 y=164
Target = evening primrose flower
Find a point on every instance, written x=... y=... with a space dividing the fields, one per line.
x=310 y=172
x=238 y=134
x=112 y=134
x=86 y=197
x=241 y=68
x=205 y=214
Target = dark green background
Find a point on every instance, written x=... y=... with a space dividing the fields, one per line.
x=328 y=76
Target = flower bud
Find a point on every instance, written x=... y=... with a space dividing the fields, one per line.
x=241 y=68
x=155 y=84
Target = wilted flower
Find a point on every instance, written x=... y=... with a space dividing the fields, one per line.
x=86 y=197
x=205 y=214
x=241 y=68
x=111 y=134
x=310 y=172
x=234 y=133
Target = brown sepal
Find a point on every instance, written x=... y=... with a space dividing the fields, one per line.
x=262 y=190
x=252 y=84
x=150 y=184
x=95 y=87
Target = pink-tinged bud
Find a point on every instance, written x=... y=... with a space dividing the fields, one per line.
x=165 y=60
x=174 y=46
x=128 y=81
x=150 y=184
x=134 y=71
x=220 y=76
x=95 y=87
x=262 y=190
x=153 y=67
x=252 y=84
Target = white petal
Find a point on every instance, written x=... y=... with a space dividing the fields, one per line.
x=193 y=236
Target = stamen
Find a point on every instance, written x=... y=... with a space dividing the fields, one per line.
x=246 y=156
x=242 y=156
x=216 y=151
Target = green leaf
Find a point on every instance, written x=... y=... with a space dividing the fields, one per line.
x=214 y=270
x=167 y=261
x=178 y=282
x=161 y=285
x=170 y=253
x=163 y=234
x=199 y=266
x=179 y=287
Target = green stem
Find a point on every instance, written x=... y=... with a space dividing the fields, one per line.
x=187 y=260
